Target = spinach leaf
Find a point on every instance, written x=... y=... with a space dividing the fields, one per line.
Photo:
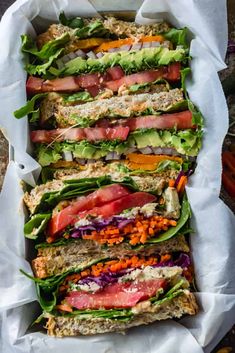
x=93 y=29
x=75 y=22
x=36 y=225
x=185 y=214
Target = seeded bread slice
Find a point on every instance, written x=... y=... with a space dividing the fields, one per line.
x=184 y=304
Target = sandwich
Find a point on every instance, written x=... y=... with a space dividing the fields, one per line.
x=124 y=98
x=117 y=137
x=101 y=250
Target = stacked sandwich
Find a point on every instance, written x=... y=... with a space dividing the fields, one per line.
x=117 y=137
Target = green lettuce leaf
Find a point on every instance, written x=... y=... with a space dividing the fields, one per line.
x=78 y=97
x=138 y=87
x=29 y=107
x=41 y=69
x=197 y=115
x=43 y=59
x=47 y=156
x=177 y=37
x=50 y=49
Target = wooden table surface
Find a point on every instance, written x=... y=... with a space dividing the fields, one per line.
x=228 y=343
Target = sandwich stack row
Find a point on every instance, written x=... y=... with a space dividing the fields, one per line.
x=117 y=137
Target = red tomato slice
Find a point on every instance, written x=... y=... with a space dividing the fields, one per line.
x=117 y=295
x=138 y=199
x=34 y=85
x=115 y=72
x=88 y=80
x=96 y=198
x=181 y=120
x=65 y=84
x=78 y=134
x=140 y=77
x=113 y=78
x=105 y=301
x=173 y=73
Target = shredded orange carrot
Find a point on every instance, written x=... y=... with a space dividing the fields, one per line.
x=165 y=257
x=181 y=185
x=137 y=232
x=171 y=183
x=112 y=265
x=127 y=41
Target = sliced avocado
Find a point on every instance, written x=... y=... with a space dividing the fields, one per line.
x=166 y=137
x=76 y=65
x=82 y=150
x=148 y=138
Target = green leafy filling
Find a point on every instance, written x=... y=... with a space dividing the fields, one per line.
x=184 y=217
x=186 y=142
x=42 y=59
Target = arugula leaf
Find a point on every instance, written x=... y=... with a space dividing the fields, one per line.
x=75 y=22
x=36 y=225
x=185 y=214
x=29 y=107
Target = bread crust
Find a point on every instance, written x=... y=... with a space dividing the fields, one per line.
x=61 y=326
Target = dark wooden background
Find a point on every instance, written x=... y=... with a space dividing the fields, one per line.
x=228 y=343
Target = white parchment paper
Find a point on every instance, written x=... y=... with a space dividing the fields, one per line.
x=213 y=243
